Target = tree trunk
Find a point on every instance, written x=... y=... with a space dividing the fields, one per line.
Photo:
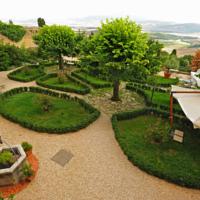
x=152 y=93
x=60 y=61
x=115 y=96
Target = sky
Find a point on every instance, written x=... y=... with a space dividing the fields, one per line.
x=60 y=10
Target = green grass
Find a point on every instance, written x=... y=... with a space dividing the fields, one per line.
x=25 y=106
x=169 y=160
x=159 y=80
x=67 y=84
x=161 y=98
x=92 y=80
x=26 y=74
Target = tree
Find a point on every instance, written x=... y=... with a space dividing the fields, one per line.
x=41 y=22
x=153 y=55
x=174 y=52
x=58 y=40
x=121 y=45
x=172 y=62
x=185 y=63
x=196 y=61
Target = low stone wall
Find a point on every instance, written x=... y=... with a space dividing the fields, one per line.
x=13 y=175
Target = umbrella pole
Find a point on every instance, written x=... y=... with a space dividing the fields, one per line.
x=171 y=109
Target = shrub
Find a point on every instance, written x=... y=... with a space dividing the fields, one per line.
x=11 y=197
x=12 y=31
x=6 y=157
x=27 y=170
x=94 y=113
x=45 y=103
x=61 y=77
x=26 y=146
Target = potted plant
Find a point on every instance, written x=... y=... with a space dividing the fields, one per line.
x=27 y=148
x=27 y=172
x=167 y=73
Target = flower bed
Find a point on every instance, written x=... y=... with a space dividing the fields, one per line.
x=91 y=80
x=69 y=85
x=55 y=113
x=27 y=74
x=144 y=136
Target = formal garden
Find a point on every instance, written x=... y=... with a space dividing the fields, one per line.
x=116 y=76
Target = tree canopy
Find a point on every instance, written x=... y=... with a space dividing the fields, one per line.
x=41 y=22
x=118 y=45
x=58 y=40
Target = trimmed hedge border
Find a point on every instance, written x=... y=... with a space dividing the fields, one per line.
x=95 y=85
x=140 y=89
x=28 y=79
x=79 y=91
x=93 y=111
x=182 y=121
x=158 y=85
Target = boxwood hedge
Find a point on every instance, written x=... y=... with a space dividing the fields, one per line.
x=140 y=89
x=94 y=113
x=179 y=121
x=93 y=84
x=41 y=82
x=15 y=74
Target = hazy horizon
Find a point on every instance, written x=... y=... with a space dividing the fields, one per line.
x=61 y=10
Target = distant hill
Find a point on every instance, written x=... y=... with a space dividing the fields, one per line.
x=177 y=28
x=26 y=41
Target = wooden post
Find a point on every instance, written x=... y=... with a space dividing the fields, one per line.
x=171 y=109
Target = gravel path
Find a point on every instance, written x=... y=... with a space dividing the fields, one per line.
x=98 y=170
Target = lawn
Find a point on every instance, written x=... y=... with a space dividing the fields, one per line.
x=63 y=114
x=162 y=81
x=161 y=98
x=68 y=85
x=28 y=73
x=92 y=80
x=170 y=160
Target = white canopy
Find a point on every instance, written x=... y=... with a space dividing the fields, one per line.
x=190 y=104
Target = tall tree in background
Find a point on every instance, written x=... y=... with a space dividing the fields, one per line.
x=196 y=61
x=41 y=22
x=121 y=45
x=58 y=40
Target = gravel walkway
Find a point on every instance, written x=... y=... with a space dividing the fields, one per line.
x=98 y=170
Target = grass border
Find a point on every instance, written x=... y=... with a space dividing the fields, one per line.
x=40 y=82
x=95 y=85
x=12 y=76
x=132 y=114
x=94 y=113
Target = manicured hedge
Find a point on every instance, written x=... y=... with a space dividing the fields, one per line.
x=41 y=82
x=179 y=121
x=12 y=31
x=140 y=89
x=18 y=75
x=159 y=81
x=94 y=84
x=94 y=113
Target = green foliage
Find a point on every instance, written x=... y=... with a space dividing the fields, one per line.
x=45 y=103
x=11 y=197
x=174 y=52
x=61 y=77
x=76 y=112
x=6 y=157
x=57 y=40
x=91 y=80
x=27 y=73
x=41 y=22
x=185 y=63
x=70 y=84
x=172 y=62
x=26 y=146
x=12 y=56
x=153 y=151
x=13 y=32
x=27 y=170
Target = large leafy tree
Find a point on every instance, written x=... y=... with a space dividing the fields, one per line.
x=121 y=45
x=58 y=40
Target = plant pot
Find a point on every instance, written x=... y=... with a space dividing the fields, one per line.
x=28 y=153
x=167 y=74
